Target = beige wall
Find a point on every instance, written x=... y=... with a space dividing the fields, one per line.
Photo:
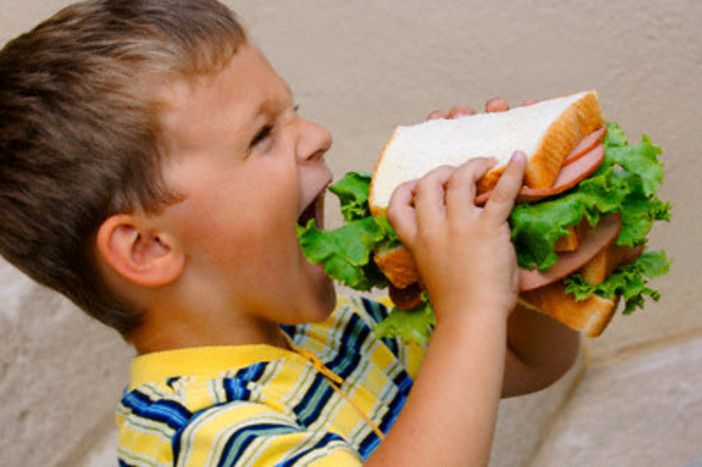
x=360 y=67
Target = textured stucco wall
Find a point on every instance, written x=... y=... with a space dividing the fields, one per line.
x=363 y=67
x=360 y=68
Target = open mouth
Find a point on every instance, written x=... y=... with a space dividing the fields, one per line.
x=315 y=211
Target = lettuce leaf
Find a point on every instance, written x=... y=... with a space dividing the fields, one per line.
x=345 y=252
x=625 y=183
x=629 y=281
x=352 y=191
x=537 y=227
x=415 y=324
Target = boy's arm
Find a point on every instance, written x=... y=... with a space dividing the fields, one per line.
x=468 y=264
x=540 y=350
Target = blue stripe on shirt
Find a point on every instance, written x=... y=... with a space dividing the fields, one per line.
x=378 y=312
x=237 y=387
x=329 y=438
x=241 y=439
x=168 y=412
x=314 y=401
x=347 y=359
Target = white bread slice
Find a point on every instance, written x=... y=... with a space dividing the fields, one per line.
x=590 y=316
x=547 y=132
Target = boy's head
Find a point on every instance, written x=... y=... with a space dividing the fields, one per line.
x=81 y=133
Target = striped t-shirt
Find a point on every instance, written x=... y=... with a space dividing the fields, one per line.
x=326 y=403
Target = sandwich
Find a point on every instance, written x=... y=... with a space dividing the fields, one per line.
x=579 y=226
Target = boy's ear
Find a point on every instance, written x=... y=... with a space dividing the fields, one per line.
x=134 y=251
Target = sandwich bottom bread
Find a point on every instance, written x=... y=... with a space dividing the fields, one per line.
x=580 y=236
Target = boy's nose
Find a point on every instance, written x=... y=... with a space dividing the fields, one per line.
x=314 y=141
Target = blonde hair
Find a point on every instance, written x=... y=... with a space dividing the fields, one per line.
x=79 y=130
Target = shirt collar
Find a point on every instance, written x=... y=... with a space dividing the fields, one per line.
x=196 y=361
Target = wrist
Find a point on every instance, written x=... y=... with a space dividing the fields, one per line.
x=471 y=324
x=458 y=312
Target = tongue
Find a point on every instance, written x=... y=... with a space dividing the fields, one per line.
x=314 y=211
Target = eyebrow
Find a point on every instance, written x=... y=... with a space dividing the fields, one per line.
x=273 y=104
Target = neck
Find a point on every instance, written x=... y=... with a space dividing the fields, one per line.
x=169 y=331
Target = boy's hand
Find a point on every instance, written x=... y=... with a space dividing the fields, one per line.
x=463 y=252
x=474 y=241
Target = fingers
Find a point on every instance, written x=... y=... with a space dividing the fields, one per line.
x=418 y=204
x=462 y=110
x=496 y=104
x=456 y=111
x=445 y=192
x=501 y=202
x=436 y=115
x=461 y=189
x=402 y=213
x=429 y=195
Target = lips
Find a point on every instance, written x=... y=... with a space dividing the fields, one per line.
x=314 y=210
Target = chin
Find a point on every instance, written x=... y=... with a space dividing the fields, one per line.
x=323 y=302
x=326 y=300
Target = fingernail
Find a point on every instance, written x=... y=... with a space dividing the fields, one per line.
x=436 y=115
x=518 y=156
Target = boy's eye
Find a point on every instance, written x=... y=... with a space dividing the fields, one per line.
x=262 y=134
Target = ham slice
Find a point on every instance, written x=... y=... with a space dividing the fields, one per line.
x=569 y=176
x=585 y=145
x=592 y=244
x=406 y=298
x=594 y=241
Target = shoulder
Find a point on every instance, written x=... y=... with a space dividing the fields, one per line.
x=354 y=316
x=251 y=433
x=162 y=427
x=353 y=321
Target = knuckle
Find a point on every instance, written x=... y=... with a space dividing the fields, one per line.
x=429 y=234
x=439 y=174
x=432 y=179
x=459 y=229
x=500 y=196
x=472 y=170
x=392 y=214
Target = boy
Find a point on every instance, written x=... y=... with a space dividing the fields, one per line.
x=153 y=170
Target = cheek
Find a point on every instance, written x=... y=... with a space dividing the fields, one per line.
x=240 y=214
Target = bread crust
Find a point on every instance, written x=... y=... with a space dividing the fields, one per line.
x=581 y=118
x=398 y=266
x=590 y=316
x=607 y=261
